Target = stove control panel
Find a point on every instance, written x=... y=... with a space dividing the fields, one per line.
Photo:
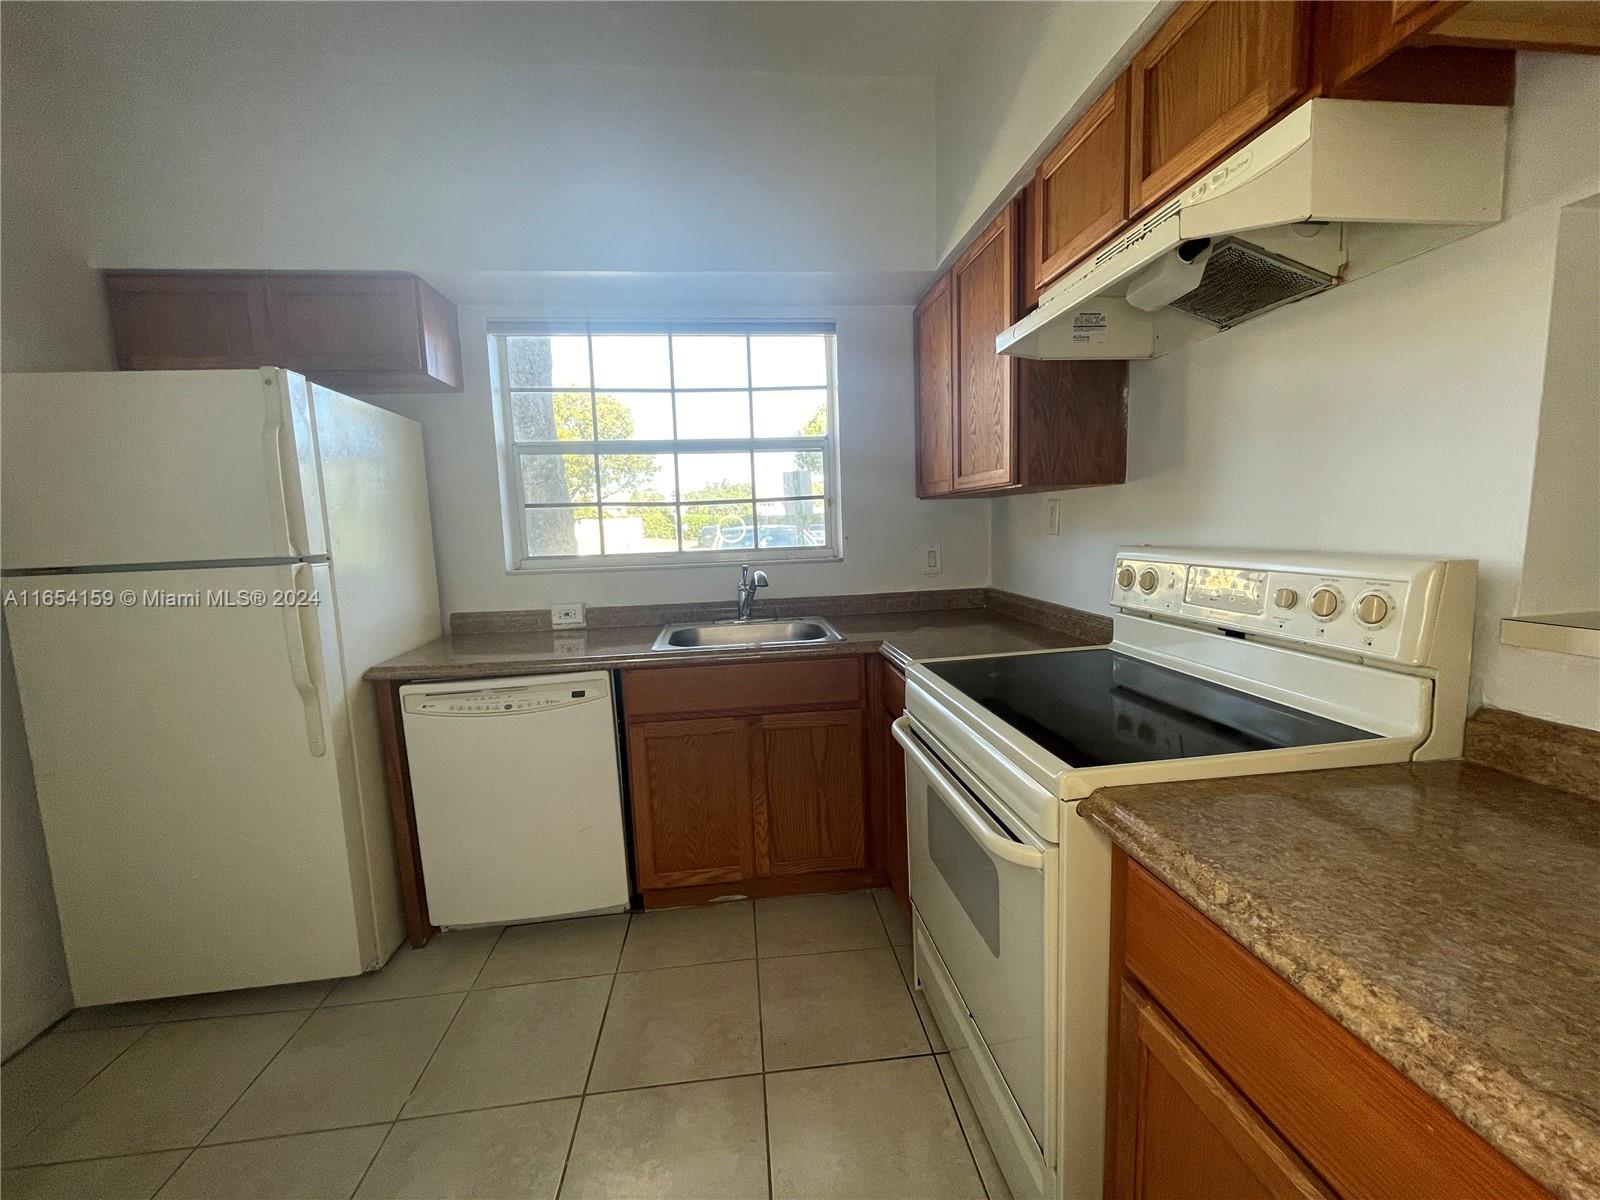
x=1382 y=608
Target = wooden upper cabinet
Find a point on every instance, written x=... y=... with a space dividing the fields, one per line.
x=988 y=423
x=201 y=320
x=935 y=326
x=362 y=332
x=810 y=793
x=1212 y=75
x=984 y=301
x=690 y=790
x=1183 y=1131
x=1080 y=192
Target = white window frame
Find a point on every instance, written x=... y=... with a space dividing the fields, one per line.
x=511 y=451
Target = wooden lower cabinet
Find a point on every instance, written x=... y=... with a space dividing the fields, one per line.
x=809 y=804
x=763 y=799
x=1184 y=1131
x=691 y=801
x=1224 y=1082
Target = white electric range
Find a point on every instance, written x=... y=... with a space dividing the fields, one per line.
x=1223 y=662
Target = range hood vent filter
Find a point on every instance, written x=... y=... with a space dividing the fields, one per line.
x=1243 y=281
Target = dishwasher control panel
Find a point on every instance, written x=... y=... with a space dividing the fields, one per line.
x=483 y=701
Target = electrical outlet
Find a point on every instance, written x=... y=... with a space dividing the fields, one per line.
x=1052 y=517
x=566 y=616
x=930 y=561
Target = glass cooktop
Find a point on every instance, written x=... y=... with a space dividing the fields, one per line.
x=1096 y=708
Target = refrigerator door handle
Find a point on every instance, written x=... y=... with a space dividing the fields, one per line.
x=283 y=461
x=305 y=656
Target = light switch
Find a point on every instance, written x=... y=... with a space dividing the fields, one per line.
x=1052 y=517
x=930 y=561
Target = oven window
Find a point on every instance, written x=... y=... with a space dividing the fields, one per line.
x=967 y=868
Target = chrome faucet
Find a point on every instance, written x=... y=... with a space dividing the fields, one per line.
x=748 y=583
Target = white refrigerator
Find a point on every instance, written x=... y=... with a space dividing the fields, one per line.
x=199 y=567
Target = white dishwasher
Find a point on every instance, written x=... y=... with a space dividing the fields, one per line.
x=518 y=797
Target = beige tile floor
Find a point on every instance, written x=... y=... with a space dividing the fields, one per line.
x=772 y=1049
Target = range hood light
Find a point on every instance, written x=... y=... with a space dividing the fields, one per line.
x=1171 y=276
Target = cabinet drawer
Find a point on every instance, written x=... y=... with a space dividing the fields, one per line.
x=1361 y=1125
x=743 y=687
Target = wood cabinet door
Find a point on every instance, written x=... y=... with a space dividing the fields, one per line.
x=1182 y=1131
x=692 y=820
x=1214 y=73
x=984 y=302
x=347 y=322
x=1080 y=194
x=1353 y=36
x=810 y=796
x=189 y=321
x=936 y=417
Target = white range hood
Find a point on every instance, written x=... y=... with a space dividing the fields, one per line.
x=1335 y=190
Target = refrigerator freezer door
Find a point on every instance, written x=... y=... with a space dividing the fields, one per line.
x=109 y=468
x=192 y=781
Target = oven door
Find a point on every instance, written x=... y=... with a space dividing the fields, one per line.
x=981 y=883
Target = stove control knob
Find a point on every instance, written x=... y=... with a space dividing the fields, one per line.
x=1286 y=598
x=1148 y=580
x=1372 y=608
x=1324 y=602
x=1124 y=577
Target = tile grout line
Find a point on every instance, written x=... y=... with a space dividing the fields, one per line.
x=272 y=1058
x=432 y=1054
x=23 y=1137
x=966 y=1138
x=367 y=1170
x=594 y=1053
x=761 y=1042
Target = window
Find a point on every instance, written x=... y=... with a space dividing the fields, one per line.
x=666 y=444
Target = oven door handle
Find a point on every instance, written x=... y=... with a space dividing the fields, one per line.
x=955 y=798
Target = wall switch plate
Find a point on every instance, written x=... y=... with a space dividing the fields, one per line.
x=930 y=561
x=566 y=616
x=1052 y=517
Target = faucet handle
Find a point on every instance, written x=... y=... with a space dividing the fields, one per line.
x=759 y=579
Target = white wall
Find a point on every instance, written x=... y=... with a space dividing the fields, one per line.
x=1561 y=562
x=886 y=527
x=1014 y=78
x=1396 y=414
x=34 y=990
x=476 y=141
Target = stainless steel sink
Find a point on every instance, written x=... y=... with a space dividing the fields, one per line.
x=745 y=635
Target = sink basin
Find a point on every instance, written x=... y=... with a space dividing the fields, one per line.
x=745 y=635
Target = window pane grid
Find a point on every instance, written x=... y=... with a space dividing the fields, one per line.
x=628 y=498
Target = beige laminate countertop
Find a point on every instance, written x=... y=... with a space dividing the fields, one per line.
x=903 y=637
x=1447 y=914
